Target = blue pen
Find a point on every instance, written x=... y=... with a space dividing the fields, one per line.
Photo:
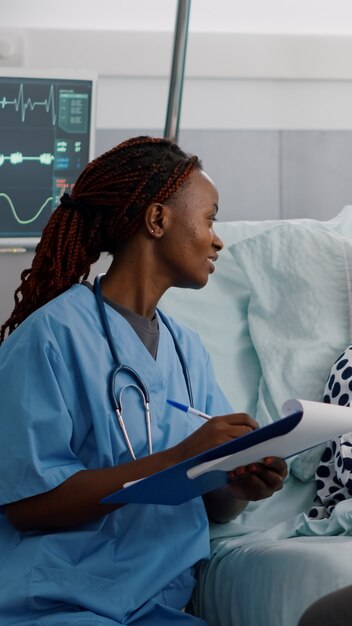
x=188 y=409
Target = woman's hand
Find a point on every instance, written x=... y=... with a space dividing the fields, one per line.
x=214 y=432
x=258 y=480
x=251 y=482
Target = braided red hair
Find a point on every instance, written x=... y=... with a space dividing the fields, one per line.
x=107 y=207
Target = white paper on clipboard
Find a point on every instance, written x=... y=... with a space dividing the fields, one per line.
x=319 y=423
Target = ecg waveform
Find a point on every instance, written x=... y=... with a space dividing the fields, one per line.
x=15 y=158
x=15 y=214
x=21 y=104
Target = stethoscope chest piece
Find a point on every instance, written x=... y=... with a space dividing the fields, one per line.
x=119 y=411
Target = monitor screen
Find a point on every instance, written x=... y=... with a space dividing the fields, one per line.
x=46 y=138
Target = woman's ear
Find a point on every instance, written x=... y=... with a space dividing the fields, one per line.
x=156 y=218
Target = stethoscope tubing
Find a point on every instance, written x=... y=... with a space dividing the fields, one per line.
x=138 y=382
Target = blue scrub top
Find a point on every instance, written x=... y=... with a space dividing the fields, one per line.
x=135 y=564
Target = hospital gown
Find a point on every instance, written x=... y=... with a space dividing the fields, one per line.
x=135 y=565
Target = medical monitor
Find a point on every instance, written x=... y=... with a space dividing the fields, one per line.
x=47 y=128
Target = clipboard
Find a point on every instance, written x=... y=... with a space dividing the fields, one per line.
x=304 y=424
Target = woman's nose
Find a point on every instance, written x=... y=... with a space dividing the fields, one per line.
x=217 y=243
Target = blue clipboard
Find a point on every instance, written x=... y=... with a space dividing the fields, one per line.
x=173 y=485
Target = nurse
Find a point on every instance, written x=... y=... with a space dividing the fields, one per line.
x=67 y=559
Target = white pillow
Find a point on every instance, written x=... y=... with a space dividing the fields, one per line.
x=299 y=313
x=219 y=311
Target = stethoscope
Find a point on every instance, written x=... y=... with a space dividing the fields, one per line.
x=138 y=383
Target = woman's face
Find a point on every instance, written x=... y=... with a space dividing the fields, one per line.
x=189 y=245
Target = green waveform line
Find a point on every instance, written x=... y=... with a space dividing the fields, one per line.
x=17 y=218
x=22 y=105
x=17 y=158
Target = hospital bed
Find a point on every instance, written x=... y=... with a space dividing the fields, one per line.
x=275 y=316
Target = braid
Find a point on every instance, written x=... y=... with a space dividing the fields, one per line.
x=106 y=207
x=60 y=261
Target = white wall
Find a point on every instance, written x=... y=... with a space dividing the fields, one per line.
x=233 y=81
x=267 y=97
x=263 y=64
x=236 y=16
